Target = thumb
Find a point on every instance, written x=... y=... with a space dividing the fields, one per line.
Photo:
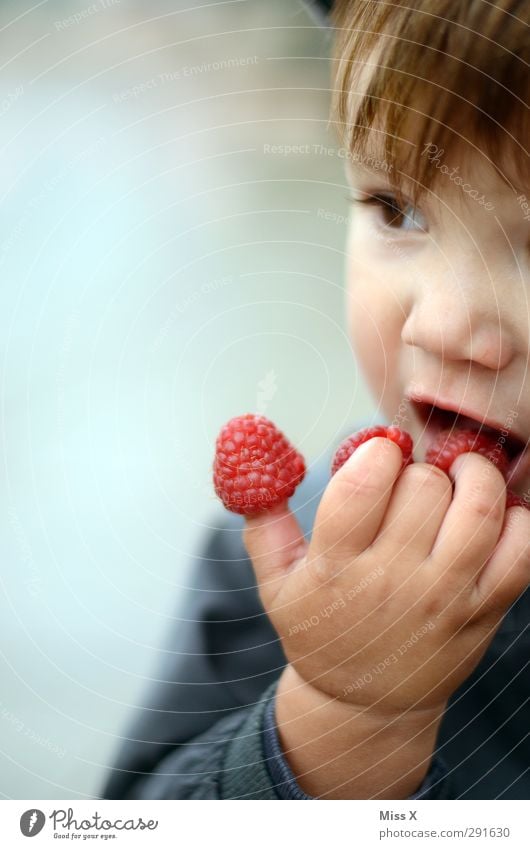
x=275 y=543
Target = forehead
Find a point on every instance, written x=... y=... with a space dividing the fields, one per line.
x=415 y=164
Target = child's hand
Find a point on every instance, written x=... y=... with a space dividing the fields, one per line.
x=396 y=598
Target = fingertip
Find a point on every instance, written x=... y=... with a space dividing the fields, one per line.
x=378 y=451
x=471 y=459
x=456 y=466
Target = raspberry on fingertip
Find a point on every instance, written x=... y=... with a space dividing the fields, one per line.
x=395 y=434
x=255 y=466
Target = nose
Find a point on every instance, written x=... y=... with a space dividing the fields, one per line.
x=457 y=323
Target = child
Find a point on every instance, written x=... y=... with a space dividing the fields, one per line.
x=387 y=660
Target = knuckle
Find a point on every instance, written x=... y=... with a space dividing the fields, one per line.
x=433 y=606
x=427 y=475
x=322 y=568
x=369 y=487
x=485 y=506
x=491 y=611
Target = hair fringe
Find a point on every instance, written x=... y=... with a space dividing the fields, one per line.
x=454 y=74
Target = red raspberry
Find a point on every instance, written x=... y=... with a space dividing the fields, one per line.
x=449 y=444
x=514 y=500
x=255 y=466
x=346 y=449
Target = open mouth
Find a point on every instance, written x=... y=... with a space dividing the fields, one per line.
x=436 y=419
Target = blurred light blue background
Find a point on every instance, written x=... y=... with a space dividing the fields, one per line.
x=165 y=264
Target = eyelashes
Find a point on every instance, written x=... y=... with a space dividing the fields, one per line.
x=394 y=215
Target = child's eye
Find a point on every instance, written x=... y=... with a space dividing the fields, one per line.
x=394 y=215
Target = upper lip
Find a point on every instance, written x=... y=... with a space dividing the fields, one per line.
x=421 y=403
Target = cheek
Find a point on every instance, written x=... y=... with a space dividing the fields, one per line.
x=375 y=320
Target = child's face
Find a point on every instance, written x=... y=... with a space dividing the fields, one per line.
x=438 y=301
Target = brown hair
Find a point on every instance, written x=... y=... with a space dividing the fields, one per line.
x=443 y=71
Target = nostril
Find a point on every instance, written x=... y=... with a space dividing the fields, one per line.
x=459 y=336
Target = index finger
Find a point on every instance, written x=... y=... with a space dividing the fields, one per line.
x=355 y=500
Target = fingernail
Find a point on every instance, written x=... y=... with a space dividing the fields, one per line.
x=361 y=450
x=455 y=466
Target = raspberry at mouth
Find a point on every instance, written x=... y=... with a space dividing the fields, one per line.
x=436 y=419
